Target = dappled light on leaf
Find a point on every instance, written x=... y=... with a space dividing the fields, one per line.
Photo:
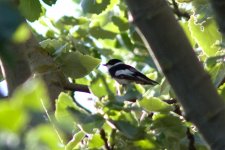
x=77 y=65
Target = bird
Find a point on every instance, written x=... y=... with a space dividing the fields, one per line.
x=125 y=74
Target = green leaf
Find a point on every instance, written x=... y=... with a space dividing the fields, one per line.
x=31 y=9
x=130 y=131
x=53 y=46
x=77 y=65
x=206 y=35
x=49 y=2
x=12 y=117
x=68 y=113
x=32 y=95
x=127 y=42
x=202 y=11
x=128 y=125
x=102 y=86
x=145 y=144
x=154 y=104
x=121 y=22
x=184 y=25
x=61 y=113
x=170 y=125
x=212 y=61
x=86 y=121
x=217 y=73
x=75 y=141
x=94 y=6
x=100 y=33
x=43 y=136
x=221 y=90
x=69 y=20
x=95 y=142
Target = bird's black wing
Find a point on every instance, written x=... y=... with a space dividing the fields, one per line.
x=123 y=71
x=143 y=79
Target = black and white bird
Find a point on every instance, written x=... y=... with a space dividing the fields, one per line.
x=125 y=74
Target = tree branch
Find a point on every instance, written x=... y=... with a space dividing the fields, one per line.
x=103 y=136
x=177 y=60
x=191 y=139
x=76 y=87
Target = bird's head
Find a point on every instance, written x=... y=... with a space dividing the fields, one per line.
x=113 y=62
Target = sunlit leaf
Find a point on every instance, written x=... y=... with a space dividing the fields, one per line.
x=202 y=11
x=31 y=9
x=62 y=115
x=206 y=36
x=32 y=96
x=53 y=46
x=184 y=25
x=29 y=98
x=96 y=142
x=154 y=104
x=221 y=90
x=122 y=23
x=75 y=141
x=21 y=34
x=145 y=144
x=12 y=118
x=77 y=65
x=43 y=136
x=217 y=73
x=101 y=86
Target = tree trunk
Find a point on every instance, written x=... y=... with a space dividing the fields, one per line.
x=177 y=60
x=219 y=10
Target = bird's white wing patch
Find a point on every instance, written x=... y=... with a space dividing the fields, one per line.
x=126 y=72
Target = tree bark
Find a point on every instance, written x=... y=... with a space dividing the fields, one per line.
x=177 y=60
x=14 y=65
x=219 y=10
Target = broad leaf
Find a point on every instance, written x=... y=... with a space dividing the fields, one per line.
x=121 y=22
x=154 y=104
x=96 y=142
x=50 y=2
x=86 y=121
x=94 y=6
x=101 y=86
x=31 y=9
x=169 y=125
x=77 y=138
x=100 y=33
x=206 y=36
x=43 y=136
x=77 y=65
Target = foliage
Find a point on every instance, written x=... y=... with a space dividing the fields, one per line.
x=142 y=117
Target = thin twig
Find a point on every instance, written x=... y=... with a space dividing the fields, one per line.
x=191 y=140
x=178 y=12
x=171 y=101
x=103 y=136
